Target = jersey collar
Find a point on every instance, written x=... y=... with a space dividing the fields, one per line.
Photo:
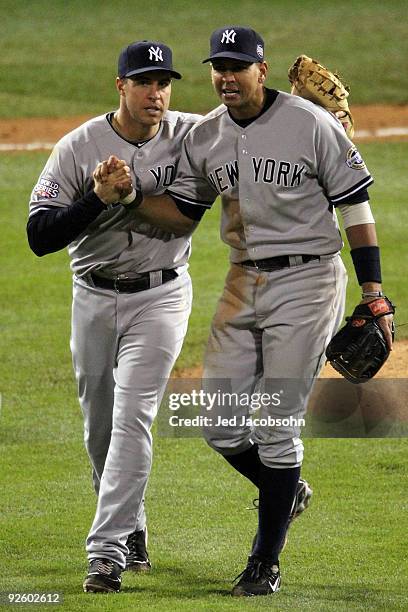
x=271 y=95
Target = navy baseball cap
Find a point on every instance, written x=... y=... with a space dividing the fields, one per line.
x=144 y=56
x=236 y=42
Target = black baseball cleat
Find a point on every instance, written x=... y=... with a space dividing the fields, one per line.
x=103 y=577
x=137 y=560
x=260 y=577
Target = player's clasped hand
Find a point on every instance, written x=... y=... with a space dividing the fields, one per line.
x=386 y=323
x=112 y=180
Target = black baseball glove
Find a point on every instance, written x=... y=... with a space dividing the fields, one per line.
x=360 y=349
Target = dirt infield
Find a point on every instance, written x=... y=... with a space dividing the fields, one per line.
x=395 y=367
x=389 y=122
x=373 y=123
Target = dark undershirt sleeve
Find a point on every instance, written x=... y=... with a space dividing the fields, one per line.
x=188 y=210
x=196 y=212
x=357 y=198
x=54 y=229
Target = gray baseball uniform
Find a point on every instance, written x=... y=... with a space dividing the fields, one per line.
x=123 y=344
x=279 y=177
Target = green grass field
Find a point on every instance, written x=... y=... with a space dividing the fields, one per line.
x=349 y=551
x=341 y=552
x=40 y=289
x=59 y=57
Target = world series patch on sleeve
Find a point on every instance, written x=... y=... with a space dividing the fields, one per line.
x=45 y=188
x=359 y=349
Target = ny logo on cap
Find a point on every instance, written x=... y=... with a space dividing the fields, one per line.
x=228 y=36
x=157 y=53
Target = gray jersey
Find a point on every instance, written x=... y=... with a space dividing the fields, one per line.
x=278 y=178
x=114 y=243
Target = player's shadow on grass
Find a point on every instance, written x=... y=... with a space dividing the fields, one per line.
x=344 y=595
x=375 y=409
x=176 y=582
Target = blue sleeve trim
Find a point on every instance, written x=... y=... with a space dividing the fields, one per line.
x=342 y=197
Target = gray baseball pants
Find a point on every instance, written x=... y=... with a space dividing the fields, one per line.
x=124 y=347
x=269 y=334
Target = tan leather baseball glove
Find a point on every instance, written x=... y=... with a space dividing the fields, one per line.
x=312 y=81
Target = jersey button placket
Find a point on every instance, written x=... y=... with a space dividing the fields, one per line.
x=244 y=171
x=243 y=139
x=137 y=156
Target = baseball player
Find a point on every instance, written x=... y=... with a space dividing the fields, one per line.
x=280 y=164
x=131 y=291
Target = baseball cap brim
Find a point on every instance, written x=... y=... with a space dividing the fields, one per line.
x=238 y=56
x=173 y=73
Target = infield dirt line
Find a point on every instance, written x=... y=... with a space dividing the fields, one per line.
x=380 y=133
x=374 y=122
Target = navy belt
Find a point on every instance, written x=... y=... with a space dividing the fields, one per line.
x=132 y=285
x=277 y=263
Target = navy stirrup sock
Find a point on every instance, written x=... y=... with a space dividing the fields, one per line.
x=247 y=463
x=277 y=489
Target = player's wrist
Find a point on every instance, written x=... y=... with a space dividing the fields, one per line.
x=371 y=291
x=105 y=201
x=372 y=295
x=132 y=200
x=128 y=199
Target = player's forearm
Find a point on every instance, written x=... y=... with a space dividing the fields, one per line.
x=362 y=235
x=162 y=212
x=54 y=229
x=366 y=258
